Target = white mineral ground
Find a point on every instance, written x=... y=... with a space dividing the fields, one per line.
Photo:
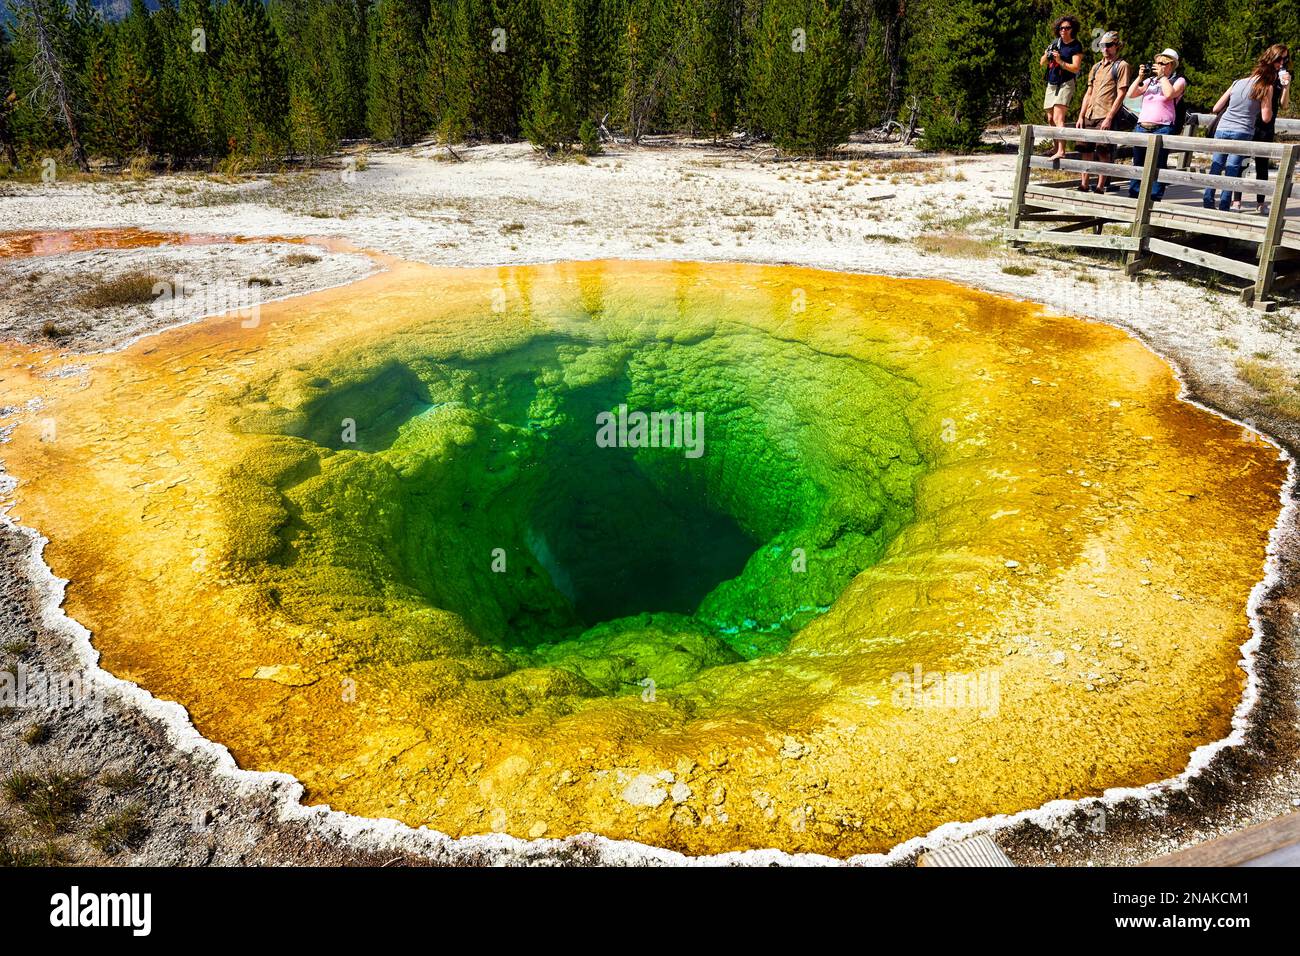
x=884 y=210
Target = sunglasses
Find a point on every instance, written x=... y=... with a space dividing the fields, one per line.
x=1107 y=46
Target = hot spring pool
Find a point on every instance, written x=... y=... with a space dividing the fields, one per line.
x=706 y=556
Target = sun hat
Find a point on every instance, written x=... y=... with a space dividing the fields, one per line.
x=1171 y=54
x=1110 y=36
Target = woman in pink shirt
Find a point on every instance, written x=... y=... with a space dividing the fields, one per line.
x=1160 y=95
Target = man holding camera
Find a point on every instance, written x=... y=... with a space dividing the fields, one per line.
x=1160 y=89
x=1103 y=104
x=1064 y=60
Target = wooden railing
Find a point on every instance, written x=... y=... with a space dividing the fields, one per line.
x=1147 y=232
x=1284 y=128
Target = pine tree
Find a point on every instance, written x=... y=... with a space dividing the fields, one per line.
x=879 y=30
x=46 y=80
x=704 y=94
x=319 y=41
x=653 y=45
x=134 y=80
x=549 y=122
x=971 y=52
x=800 y=75
x=174 y=135
x=514 y=60
x=581 y=40
x=193 y=65
x=395 y=105
x=444 y=88
x=254 y=100
x=8 y=98
x=1233 y=44
x=103 y=117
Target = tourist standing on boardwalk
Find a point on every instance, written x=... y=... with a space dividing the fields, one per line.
x=1245 y=104
x=1160 y=95
x=1280 y=57
x=1103 y=104
x=1063 y=59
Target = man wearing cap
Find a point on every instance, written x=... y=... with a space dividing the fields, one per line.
x=1160 y=95
x=1109 y=78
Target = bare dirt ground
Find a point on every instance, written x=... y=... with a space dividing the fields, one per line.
x=883 y=210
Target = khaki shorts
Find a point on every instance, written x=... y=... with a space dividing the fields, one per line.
x=1058 y=95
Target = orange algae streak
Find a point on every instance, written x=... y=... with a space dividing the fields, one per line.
x=1063 y=613
x=45 y=243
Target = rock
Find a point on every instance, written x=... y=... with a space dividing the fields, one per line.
x=645 y=791
x=792 y=749
x=289 y=675
x=685 y=817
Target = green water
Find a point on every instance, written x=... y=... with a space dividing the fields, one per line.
x=477 y=486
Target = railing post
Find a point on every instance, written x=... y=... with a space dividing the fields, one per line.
x=1276 y=221
x=1022 y=178
x=1142 y=213
x=1189 y=129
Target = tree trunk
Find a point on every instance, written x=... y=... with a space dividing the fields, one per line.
x=7 y=106
x=48 y=68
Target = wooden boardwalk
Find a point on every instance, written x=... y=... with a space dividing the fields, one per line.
x=1274 y=843
x=1261 y=250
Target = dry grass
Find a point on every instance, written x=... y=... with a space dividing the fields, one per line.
x=14 y=853
x=1276 y=386
x=957 y=244
x=52 y=800
x=1262 y=376
x=123 y=829
x=34 y=170
x=140 y=166
x=131 y=288
x=119 y=780
x=300 y=259
x=36 y=734
x=903 y=167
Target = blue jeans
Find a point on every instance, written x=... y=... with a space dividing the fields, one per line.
x=1229 y=162
x=1140 y=158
